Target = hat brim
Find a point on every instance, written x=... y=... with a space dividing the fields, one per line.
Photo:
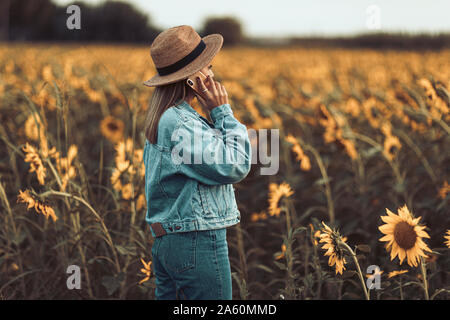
x=213 y=44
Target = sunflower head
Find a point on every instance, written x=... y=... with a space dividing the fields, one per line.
x=335 y=251
x=447 y=238
x=404 y=236
x=112 y=128
x=276 y=193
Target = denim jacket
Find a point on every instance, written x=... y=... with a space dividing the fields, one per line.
x=184 y=195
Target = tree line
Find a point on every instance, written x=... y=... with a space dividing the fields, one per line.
x=109 y=21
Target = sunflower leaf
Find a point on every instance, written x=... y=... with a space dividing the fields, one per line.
x=280 y=265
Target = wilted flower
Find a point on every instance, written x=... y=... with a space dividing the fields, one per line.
x=396 y=273
x=332 y=240
x=38 y=205
x=276 y=192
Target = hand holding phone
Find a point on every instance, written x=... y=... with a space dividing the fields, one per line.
x=193 y=83
x=211 y=93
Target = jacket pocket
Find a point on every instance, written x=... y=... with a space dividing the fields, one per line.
x=213 y=199
x=179 y=250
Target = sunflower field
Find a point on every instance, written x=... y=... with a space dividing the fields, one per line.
x=358 y=209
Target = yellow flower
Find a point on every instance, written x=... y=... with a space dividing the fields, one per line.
x=64 y=166
x=38 y=205
x=447 y=237
x=276 y=192
x=334 y=250
x=112 y=128
x=305 y=163
x=31 y=127
x=36 y=165
x=283 y=252
x=140 y=202
x=391 y=147
x=314 y=234
x=255 y=216
x=373 y=111
x=404 y=236
x=127 y=191
x=396 y=273
x=146 y=271
x=444 y=190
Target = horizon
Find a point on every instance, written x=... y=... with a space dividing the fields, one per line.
x=324 y=19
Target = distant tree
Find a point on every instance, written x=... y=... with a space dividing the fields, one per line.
x=230 y=28
x=110 y=21
x=30 y=19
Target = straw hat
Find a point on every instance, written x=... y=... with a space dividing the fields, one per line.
x=179 y=52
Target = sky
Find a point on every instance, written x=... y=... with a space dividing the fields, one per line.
x=282 y=18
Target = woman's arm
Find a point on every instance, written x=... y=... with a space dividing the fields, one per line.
x=223 y=154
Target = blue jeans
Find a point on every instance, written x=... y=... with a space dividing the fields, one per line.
x=192 y=265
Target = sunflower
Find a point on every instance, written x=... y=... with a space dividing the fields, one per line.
x=444 y=190
x=36 y=164
x=396 y=273
x=283 y=252
x=332 y=240
x=391 y=146
x=276 y=192
x=38 y=205
x=305 y=163
x=404 y=236
x=112 y=128
x=65 y=167
x=256 y=216
x=447 y=237
x=31 y=127
x=146 y=270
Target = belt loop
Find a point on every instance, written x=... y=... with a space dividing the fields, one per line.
x=158 y=229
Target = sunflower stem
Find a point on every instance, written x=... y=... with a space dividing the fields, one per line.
x=355 y=259
x=423 y=268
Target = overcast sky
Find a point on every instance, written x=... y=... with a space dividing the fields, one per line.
x=301 y=17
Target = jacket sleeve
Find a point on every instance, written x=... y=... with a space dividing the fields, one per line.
x=213 y=156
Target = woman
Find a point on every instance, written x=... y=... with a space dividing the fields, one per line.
x=190 y=198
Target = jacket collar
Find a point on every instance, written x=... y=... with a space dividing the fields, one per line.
x=186 y=106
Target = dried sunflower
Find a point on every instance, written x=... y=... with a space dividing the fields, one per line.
x=396 y=273
x=276 y=192
x=447 y=237
x=332 y=240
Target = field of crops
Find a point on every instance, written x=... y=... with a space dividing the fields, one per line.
x=363 y=175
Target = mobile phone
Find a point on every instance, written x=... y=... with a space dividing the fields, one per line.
x=192 y=82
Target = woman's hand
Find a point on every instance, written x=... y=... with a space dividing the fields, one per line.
x=215 y=96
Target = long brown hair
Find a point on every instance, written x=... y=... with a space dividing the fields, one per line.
x=162 y=98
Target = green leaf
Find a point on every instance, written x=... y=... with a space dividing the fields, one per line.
x=322 y=181
x=265 y=268
x=126 y=250
x=280 y=265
